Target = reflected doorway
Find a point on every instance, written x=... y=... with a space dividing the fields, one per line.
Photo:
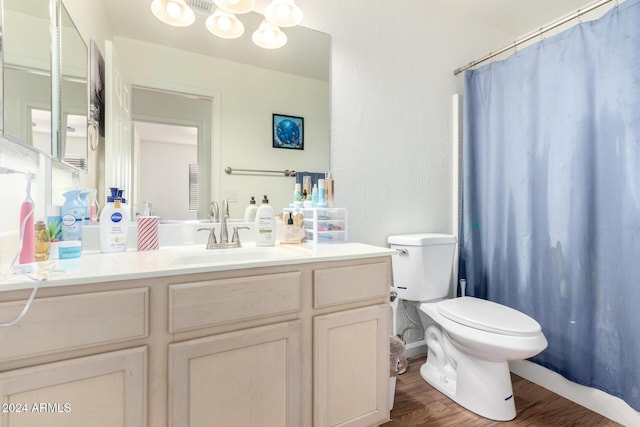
x=172 y=139
x=166 y=171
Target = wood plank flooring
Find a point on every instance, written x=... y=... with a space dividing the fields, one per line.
x=419 y=404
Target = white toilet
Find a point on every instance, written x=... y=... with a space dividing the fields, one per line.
x=473 y=340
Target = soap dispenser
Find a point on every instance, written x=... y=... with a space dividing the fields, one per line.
x=265 y=224
x=250 y=211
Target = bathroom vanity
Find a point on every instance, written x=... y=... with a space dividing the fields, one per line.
x=284 y=336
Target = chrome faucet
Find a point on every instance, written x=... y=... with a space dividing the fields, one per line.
x=214 y=212
x=212 y=243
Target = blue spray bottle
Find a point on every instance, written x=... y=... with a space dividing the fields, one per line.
x=72 y=214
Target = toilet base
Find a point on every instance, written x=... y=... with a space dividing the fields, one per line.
x=480 y=386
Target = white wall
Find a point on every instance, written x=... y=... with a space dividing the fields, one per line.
x=391 y=89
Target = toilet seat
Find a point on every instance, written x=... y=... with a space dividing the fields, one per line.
x=488 y=316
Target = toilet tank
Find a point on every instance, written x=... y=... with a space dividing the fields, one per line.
x=422 y=269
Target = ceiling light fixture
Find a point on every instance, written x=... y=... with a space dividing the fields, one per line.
x=269 y=36
x=236 y=6
x=224 y=24
x=173 y=12
x=283 y=13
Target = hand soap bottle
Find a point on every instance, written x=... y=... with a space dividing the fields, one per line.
x=250 y=211
x=265 y=224
x=114 y=223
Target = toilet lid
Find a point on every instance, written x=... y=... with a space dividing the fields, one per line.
x=488 y=316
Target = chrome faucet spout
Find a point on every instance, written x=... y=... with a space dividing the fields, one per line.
x=214 y=212
x=224 y=233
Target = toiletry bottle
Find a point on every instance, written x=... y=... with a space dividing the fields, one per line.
x=297 y=196
x=42 y=241
x=148 y=230
x=265 y=224
x=306 y=185
x=250 y=211
x=94 y=207
x=314 y=196
x=85 y=206
x=329 y=189
x=54 y=222
x=72 y=216
x=114 y=223
x=321 y=194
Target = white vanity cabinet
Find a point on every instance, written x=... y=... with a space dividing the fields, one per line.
x=301 y=344
x=351 y=346
x=250 y=377
x=46 y=380
x=245 y=377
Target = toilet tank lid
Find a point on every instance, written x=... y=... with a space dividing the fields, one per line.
x=422 y=239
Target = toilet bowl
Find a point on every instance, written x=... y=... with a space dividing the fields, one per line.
x=476 y=339
x=472 y=340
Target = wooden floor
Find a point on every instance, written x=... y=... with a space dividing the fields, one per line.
x=419 y=404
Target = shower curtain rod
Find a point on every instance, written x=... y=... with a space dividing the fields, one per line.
x=538 y=33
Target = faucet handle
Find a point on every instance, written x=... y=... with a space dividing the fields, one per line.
x=212 y=236
x=236 y=235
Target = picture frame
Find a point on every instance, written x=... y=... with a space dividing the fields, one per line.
x=288 y=132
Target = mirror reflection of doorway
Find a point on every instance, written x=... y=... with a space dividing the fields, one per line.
x=166 y=155
x=172 y=140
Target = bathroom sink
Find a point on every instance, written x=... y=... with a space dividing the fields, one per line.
x=239 y=255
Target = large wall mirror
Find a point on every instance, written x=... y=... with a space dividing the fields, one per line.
x=74 y=94
x=26 y=107
x=44 y=80
x=244 y=83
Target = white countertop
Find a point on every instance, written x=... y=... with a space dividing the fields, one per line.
x=177 y=260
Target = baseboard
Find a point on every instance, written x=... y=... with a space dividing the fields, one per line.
x=593 y=399
x=416 y=348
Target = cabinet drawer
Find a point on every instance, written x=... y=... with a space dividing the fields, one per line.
x=74 y=321
x=216 y=302
x=333 y=286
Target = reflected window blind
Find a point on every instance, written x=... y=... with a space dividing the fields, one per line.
x=193 y=187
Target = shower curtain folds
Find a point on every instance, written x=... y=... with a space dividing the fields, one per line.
x=551 y=195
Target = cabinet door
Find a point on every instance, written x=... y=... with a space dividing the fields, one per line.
x=107 y=390
x=243 y=378
x=351 y=370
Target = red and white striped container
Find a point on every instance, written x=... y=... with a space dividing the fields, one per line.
x=148 y=233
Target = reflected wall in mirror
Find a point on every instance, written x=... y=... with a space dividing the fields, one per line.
x=246 y=83
x=27 y=73
x=74 y=94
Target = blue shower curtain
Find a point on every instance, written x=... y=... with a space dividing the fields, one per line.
x=551 y=195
